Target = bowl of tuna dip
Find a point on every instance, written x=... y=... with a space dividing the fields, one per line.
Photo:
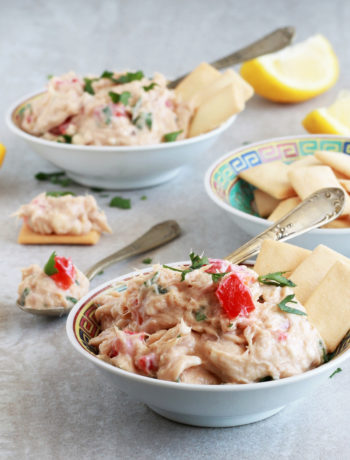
x=202 y=342
x=121 y=130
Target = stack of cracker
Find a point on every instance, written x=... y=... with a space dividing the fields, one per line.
x=281 y=187
x=322 y=279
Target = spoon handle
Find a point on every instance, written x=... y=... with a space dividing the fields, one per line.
x=156 y=236
x=276 y=40
x=315 y=211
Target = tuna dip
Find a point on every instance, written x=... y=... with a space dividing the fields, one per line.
x=59 y=284
x=63 y=213
x=116 y=108
x=209 y=322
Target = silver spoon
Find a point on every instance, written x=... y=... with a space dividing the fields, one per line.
x=316 y=210
x=156 y=236
x=276 y=40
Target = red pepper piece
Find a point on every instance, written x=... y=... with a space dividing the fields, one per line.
x=66 y=272
x=147 y=363
x=234 y=296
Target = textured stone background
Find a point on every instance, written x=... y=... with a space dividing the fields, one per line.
x=52 y=404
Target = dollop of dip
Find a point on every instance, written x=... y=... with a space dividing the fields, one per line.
x=122 y=108
x=61 y=215
x=64 y=288
x=212 y=325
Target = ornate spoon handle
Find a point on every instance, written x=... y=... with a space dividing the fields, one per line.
x=156 y=236
x=274 y=41
x=316 y=210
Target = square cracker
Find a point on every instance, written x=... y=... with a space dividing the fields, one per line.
x=310 y=272
x=310 y=179
x=284 y=207
x=27 y=236
x=265 y=203
x=275 y=256
x=328 y=307
x=338 y=161
x=272 y=178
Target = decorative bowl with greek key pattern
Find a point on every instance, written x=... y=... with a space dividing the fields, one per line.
x=235 y=196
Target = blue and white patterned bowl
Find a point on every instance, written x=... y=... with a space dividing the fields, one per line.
x=235 y=196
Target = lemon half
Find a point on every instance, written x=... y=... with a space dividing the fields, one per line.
x=2 y=153
x=296 y=73
x=330 y=120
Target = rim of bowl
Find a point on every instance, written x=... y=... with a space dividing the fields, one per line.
x=323 y=368
x=255 y=219
x=108 y=148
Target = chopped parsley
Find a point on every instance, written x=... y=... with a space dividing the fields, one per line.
x=108 y=114
x=144 y=197
x=49 y=76
x=217 y=276
x=71 y=299
x=143 y=119
x=149 y=87
x=22 y=299
x=338 y=369
x=196 y=262
x=77 y=282
x=129 y=77
x=57 y=178
x=58 y=194
x=171 y=137
x=66 y=137
x=101 y=272
x=120 y=202
x=97 y=189
x=276 y=279
x=178 y=336
x=284 y=307
x=148 y=260
x=326 y=356
x=50 y=268
x=230 y=325
x=107 y=74
x=88 y=85
x=200 y=315
x=122 y=98
x=152 y=282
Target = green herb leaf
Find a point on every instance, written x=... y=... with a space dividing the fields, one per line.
x=143 y=119
x=148 y=260
x=77 y=282
x=128 y=77
x=144 y=197
x=96 y=189
x=88 y=85
x=24 y=294
x=161 y=290
x=200 y=315
x=123 y=98
x=58 y=194
x=178 y=336
x=108 y=114
x=217 y=276
x=276 y=279
x=266 y=379
x=47 y=176
x=50 y=268
x=339 y=369
x=197 y=261
x=71 y=299
x=49 y=76
x=173 y=268
x=67 y=139
x=101 y=272
x=230 y=325
x=171 y=137
x=107 y=74
x=149 y=87
x=284 y=307
x=120 y=202
x=326 y=356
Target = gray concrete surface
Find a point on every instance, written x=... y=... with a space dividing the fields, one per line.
x=53 y=405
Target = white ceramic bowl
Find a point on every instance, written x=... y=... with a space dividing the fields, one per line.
x=201 y=405
x=123 y=167
x=235 y=196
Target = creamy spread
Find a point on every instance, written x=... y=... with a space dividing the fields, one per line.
x=104 y=111
x=39 y=291
x=172 y=329
x=61 y=215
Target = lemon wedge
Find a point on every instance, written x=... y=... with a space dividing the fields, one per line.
x=294 y=74
x=2 y=153
x=330 y=120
